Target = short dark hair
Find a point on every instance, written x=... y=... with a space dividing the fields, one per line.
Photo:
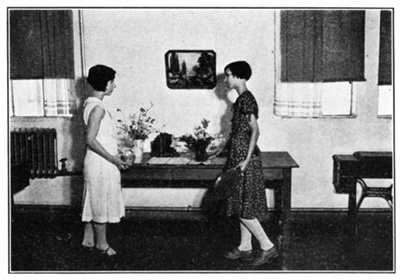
x=240 y=69
x=99 y=75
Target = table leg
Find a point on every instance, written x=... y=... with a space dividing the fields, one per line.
x=352 y=214
x=286 y=213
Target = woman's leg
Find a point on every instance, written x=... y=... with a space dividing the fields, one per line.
x=101 y=239
x=88 y=236
x=245 y=249
x=245 y=238
x=268 y=250
x=257 y=230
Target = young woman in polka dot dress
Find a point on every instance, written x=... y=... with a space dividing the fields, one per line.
x=249 y=202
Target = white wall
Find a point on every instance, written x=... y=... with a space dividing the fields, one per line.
x=134 y=42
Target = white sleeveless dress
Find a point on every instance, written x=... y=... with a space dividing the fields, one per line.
x=102 y=196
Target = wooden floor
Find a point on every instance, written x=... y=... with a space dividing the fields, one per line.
x=40 y=242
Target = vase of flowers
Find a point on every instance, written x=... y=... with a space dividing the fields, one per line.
x=200 y=142
x=138 y=129
x=138 y=150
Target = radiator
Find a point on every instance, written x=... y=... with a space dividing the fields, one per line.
x=38 y=148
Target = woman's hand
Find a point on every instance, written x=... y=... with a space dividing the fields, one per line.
x=212 y=156
x=243 y=165
x=118 y=162
x=217 y=152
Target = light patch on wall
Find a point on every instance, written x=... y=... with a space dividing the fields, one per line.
x=337 y=99
x=385 y=104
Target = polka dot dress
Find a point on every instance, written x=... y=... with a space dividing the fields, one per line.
x=249 y=201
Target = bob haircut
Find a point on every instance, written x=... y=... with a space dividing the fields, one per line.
x=99 y=76
x=239 y=69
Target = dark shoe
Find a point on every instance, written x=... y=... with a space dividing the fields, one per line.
x=237 y=254
x=88 y=248
x=265 y=256
x=106 y=252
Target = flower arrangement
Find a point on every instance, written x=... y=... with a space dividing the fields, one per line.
x=140 y=125
x=200 y=142
x=132 y=135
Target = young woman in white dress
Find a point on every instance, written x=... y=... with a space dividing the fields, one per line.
x=102 y=199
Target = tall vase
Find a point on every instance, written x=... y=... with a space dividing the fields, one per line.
x=138 y=150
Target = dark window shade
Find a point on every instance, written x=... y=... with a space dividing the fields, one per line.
x=298 y=39
x=322 y=46
x=385 y=49
x=41 y=44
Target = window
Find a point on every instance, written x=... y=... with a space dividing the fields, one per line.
x=42 y=97
x=41 y=63
x=385 y=106
x=320 y=55
x=315 y=99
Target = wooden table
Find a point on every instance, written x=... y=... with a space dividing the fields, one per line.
x=276 y=166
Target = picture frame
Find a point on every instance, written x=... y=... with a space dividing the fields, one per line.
x=190 y=69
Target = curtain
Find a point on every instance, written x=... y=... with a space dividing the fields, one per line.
x=59 y=97
x=316 y=47
x=385 y=49
x=322 y=45
x=47 y=97
x=302 y=100
x=343 y=46
x=300 y=42
x=41 y=44
x=42 y=62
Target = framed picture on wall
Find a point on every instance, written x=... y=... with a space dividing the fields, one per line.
x=188 y=69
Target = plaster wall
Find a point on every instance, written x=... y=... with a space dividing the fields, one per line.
x=134 y=42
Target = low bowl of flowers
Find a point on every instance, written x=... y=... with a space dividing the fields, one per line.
x=200 y=142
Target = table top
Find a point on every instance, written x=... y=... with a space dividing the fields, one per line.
x=278 y=160
x=270 y=160
x=367 y=155
x=273 y=164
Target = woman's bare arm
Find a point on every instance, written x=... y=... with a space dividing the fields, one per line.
x=95 y=118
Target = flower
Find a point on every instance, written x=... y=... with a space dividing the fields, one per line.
x=140 y=126
x=200 y=141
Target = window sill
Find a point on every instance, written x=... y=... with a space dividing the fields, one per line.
x=385 y=117
x=338 y=117
x=26 y=118
x=324 y=117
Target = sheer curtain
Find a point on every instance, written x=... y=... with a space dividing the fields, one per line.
x=59 y=97
x=314 y=47
x=47 y=97
x=298 y=100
